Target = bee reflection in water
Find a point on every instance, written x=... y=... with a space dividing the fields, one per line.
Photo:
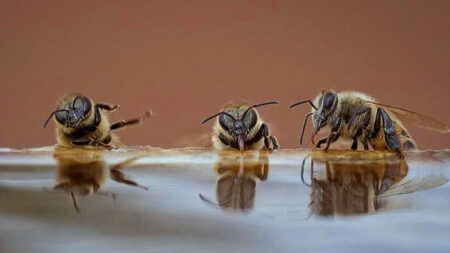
x=81 y=173
x=345 y=187
x=237 y=175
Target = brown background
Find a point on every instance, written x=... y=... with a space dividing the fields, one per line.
x=185 y=59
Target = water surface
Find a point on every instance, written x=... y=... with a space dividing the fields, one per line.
x=193 y=200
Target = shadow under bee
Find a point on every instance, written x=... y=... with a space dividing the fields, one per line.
x=82 y=172
x=344 y=187
x=237 y=175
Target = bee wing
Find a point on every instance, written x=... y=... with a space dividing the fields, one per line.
x=415 y=118
x=415 y=184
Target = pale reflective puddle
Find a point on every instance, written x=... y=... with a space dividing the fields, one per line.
x=190 y=200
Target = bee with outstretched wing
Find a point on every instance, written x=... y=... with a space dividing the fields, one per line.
x=356 y=116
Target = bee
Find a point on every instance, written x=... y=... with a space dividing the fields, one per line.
x=343 y=187
x=358 y=117
x=239 y=126
x=237 y=178
x=80 y=173
x=81 y=122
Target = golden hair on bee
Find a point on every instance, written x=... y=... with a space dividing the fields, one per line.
x=358 y=117
x=239 y=126
x=82 y=122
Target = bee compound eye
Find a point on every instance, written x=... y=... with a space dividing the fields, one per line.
x=328 y=100
x=225 y=122
x=61 y=116
x=250 y=119
x=83 y=105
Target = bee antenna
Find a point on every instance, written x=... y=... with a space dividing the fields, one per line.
x=302 y=102
x=304 y=125
x=75 y=100
x=217 y=114
x=206 y=200
x=258 y=105
x=53 y=113
x=74 y=202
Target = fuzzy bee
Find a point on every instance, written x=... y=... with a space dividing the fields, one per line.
x=356 y=116
x=81 y=122
x=236 y=180
x=80 y=173
x=239 y=126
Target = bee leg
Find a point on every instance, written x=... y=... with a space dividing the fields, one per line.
x=107 y=139
x=409 y=145
x=124 y=123
x=267 y=139
x=107 y=107
x=320 y=142
x=120 y=177
x=355 y=138
x=376 y=125
x=365 y=130
x=360 y=120
x=334 y=136
x=95 y=186
x=128 y=122
x=366 y=146
x=354 y=144
x=274 y=142
x=62 y=186
x=101 y=144
x=390 y=132
x=265 y=134
x=264 y=172
x=330 y=139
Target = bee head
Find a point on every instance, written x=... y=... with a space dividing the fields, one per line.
x=238 y=125
x=238 y=128
x=72 y=113
x=327 y=105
